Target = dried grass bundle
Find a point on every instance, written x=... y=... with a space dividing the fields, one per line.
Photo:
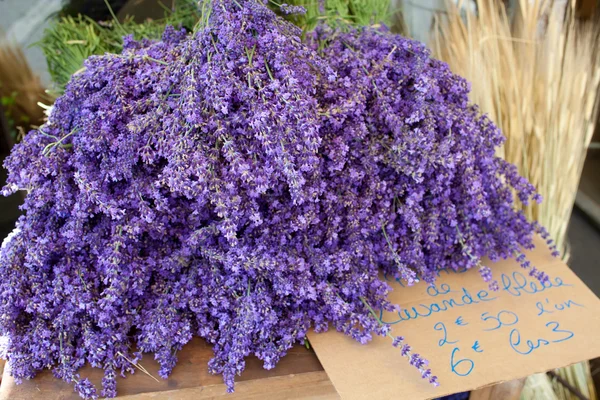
x=20 y=87
x=579 y=377
x=537 y=76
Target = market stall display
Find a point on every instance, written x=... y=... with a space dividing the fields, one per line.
x=246 y=183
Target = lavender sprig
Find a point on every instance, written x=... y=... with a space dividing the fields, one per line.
x=414 y=359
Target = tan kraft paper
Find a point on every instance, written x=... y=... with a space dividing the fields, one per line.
x=472 y=337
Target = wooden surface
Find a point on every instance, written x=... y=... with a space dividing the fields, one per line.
x=510 y=390
x=298 y=375
x=588 y=195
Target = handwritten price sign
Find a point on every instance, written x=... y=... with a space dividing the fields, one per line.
x=444 y=298
x=472 y=336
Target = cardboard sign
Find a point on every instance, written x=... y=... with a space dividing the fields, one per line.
x=472 y=337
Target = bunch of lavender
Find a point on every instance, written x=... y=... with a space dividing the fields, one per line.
x=416 y=161
x=241 y=186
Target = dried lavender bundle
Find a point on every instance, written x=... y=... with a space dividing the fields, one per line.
x=406 y=129
x=239 y=185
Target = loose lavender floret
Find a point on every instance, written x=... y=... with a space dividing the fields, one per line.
x=239 y=185
x=288 y=9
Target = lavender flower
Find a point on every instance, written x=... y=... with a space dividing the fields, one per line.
x=288 y=9
x=486 y=273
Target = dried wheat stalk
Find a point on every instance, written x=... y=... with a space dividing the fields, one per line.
x=537 y=76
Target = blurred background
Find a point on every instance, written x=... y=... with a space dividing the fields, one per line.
x=534 y=66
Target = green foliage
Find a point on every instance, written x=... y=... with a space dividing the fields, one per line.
x=9 y=103
x=368 y=12
x=71 y=40
x=335 y=12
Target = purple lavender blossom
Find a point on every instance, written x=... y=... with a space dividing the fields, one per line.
x=86 y=389
x=288 y=9
x=486 y=273
x=397 y=341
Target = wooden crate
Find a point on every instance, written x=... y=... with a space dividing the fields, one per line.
x=299 y=375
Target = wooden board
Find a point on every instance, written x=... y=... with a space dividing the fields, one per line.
x=588 y=195
x=299 y=375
